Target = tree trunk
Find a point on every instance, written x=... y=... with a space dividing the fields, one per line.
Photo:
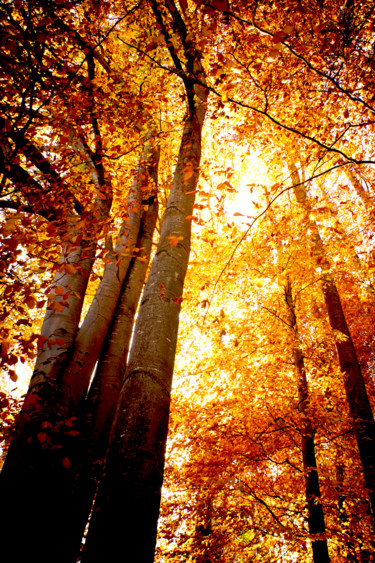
x=104 y=392
x=356 y=393
x=44 y=477
x=314 y=507
x=370 y=290
x=38 y=484
x=349 y=544
x=124 y=521
x=105 y=388
x=91 y=335
x=37 y=480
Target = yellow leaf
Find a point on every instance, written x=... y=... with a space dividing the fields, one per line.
x=224 y=97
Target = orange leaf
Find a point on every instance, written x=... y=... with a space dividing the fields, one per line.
x=70 y=268
x=56 y=307
x=279 y=36
x=5 y=347
x=174 y=240
x=188 y=171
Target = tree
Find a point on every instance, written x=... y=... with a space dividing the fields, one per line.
x=47 y=446
x=93 y=83
x=359 y=404
x=134 y=467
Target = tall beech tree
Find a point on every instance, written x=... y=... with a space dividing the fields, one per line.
x=96 y=95
x=129 y=492
x=105 y=387
x=358 y=401
x=48 y=446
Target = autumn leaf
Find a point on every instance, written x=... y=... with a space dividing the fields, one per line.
x=188 y=171
x=66 y=463
x=42 y=437
x=173 y=240
x=5 y=345
x=221 y=5
x=279 y=37
x=30 y=302
x=41 y=340
x=224 y=97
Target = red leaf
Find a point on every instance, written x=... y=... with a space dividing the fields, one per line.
x=279 y=37
x=41 y=341
x=30 y=302
x=46 y=424
x=12 y=360
x=5 y=347
x=66 y=462
x=221 y=5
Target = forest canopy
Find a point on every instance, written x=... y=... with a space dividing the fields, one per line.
x=187 y=280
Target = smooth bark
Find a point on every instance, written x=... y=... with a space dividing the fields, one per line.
x=37 y=480
x=99 y=409
x=91 y=335
x=127 y=504
x=40 y=473
x=105 y=388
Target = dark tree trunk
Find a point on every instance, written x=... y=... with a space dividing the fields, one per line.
x=356 y=393
x=314 y=507
x=37 y=482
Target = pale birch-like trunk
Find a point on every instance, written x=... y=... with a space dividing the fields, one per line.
x=91 y=335
x=99 y=409
x=105 y=388
x=124 y=520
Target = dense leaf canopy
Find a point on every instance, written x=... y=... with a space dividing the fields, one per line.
x=279 y=97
